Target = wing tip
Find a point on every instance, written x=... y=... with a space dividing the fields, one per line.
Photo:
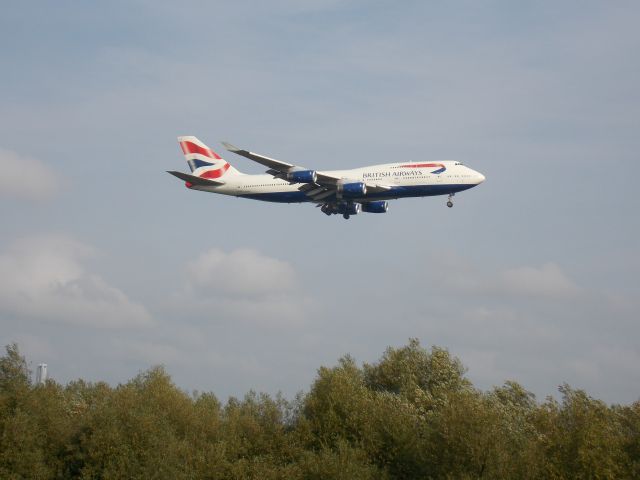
x=230 y=148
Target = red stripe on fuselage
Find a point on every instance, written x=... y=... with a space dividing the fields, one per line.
x=190 y=147
x=422 y=165
x=215 y=173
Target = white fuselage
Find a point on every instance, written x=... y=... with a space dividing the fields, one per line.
x=406 y=179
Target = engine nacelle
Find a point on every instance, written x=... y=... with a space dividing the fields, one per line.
x=302 y=176
x=355 y=189
x=380 y=206
x=351 y=209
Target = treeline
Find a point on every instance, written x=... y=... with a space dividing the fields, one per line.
x=411 y=415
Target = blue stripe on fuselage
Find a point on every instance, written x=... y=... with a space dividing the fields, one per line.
x=281 y=197
x=396 y=191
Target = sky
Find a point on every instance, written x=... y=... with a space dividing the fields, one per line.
x=108 y=265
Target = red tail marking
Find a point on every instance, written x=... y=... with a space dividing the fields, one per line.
x=215 y=173
x=190 y=147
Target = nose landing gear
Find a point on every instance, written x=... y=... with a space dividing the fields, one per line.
x=449 y=202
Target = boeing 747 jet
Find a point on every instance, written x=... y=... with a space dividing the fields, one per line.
x=344 y=192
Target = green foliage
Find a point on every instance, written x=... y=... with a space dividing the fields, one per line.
x=630 y=423
x=583 y=438
x=422 y=377
x=413 y=414
x=344 y=462
x=14 y=372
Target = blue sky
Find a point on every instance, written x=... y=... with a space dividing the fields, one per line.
x=108 y=265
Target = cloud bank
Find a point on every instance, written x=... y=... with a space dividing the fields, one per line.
x=44 y=278
x=244 y=285
x=242 y=272
x=26 y=178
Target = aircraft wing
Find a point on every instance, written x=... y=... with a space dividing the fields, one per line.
x=276 y=165
x=325 y=184
x=332 y=180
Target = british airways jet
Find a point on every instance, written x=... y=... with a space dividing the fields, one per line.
x=345 y=192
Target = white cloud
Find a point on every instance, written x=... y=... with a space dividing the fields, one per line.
x=246 y=286
x=240 y=272
x=539 y=325
x=43 y=278
x=545 y=281
x=26 y=178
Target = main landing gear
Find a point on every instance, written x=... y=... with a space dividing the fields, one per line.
x=449 y=202
x=346 y=209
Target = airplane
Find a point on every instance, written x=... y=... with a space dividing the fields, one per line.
x=345 y=192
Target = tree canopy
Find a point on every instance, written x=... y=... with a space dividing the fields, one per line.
x=411 y=415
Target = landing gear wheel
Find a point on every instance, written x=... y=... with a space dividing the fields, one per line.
x=345 y=216
x=449 y=204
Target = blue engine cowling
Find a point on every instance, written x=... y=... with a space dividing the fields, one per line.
x=375 y=207
x=303 y=176
x=355 y=189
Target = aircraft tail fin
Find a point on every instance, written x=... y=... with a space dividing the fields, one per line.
x=203 y=161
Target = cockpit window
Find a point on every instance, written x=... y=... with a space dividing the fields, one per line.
x=459 y=163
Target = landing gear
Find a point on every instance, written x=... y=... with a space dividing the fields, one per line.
x=449 y=202
x=346 y=209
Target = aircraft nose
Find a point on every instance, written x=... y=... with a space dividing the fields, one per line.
x=475 y=176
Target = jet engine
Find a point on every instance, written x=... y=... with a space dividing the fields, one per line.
x=355 y=189
x=380 y=206
x=302 y=176
x=351 y=209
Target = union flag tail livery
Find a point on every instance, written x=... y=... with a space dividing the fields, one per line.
x=204 y=162
x=345 y=192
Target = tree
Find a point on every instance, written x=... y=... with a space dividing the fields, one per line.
x=412 y=414
x=630 y=423
x=22 y=452
x=14 y=372
x=422 y=377
x=582 y=437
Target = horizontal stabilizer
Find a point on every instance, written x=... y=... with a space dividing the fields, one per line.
x=193 y=180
